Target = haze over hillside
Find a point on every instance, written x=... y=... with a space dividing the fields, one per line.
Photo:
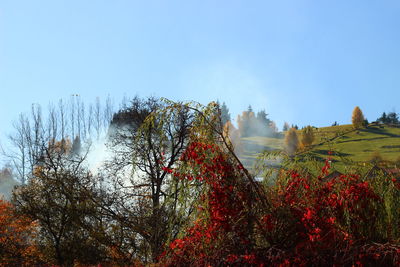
x=7 y=183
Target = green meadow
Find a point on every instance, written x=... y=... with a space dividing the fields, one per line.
x=346 y=144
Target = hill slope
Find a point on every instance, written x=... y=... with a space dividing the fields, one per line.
x=345 y=143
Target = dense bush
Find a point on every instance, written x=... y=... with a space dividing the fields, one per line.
x=300 y=221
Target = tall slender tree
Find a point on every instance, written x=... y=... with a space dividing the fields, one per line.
x=285 y=126
x=357 y=118
x=225 y=115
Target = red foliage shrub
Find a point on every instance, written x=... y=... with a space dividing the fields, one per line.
x=222 y=231
x=306 y=221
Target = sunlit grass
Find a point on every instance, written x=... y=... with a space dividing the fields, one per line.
x=347 y=144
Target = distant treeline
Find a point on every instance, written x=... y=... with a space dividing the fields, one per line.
x=390 y=118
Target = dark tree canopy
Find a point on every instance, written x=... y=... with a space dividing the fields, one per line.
x=390 y=118
x=285 y=127
x=225 y=115
x=58 y=197
x=134 y=113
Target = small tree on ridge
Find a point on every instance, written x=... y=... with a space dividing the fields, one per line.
x=307 y=136
x=291 y=141
x=358 y=118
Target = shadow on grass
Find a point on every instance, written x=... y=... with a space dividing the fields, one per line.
x=362 y=139
x=379 y=131
x=335 y=153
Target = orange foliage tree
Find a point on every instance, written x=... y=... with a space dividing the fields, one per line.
x=17 y=235
x=234 y=136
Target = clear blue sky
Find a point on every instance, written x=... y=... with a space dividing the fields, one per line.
x=305 y=62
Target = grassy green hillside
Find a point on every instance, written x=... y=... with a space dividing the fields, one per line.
x=345 y=143
x=360 y=145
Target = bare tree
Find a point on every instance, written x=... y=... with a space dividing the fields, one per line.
x=124 y=102
x=33 y=131
x=35 y=136
x=89 y=120
x=108 y=112
x=97 y=117
x=26 y=142
x=83 y=120
x=72 y=115
x=78 y=115
x=18 y=154
x=52 y=122
x=63 y=121
x=58 y=197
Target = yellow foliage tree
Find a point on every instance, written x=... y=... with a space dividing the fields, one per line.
x=291 y=141
x=307 y=136
x=246 y=123
x=358 y=118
